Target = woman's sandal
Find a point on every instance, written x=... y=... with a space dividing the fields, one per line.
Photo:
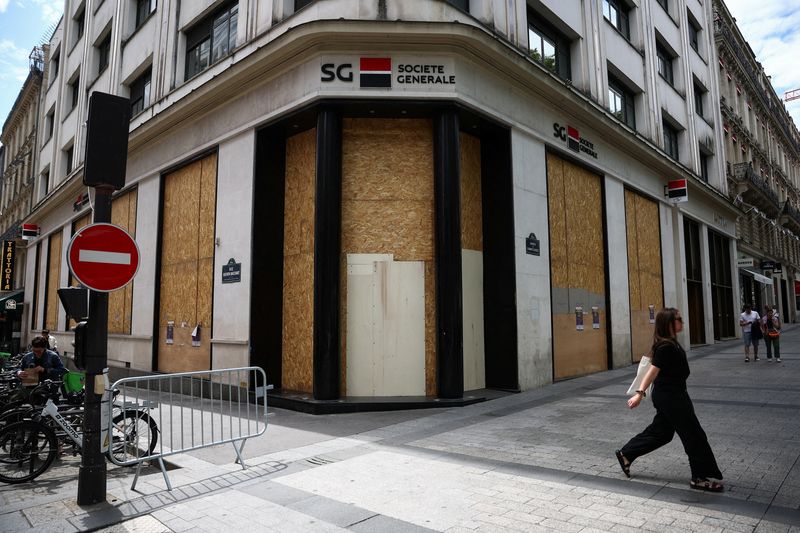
x=707 y=485
x=626 y=468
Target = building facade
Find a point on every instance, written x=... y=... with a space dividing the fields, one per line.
x=762 y=149
x=406 y=199
x=19 y=138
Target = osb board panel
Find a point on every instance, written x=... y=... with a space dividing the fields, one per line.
x=298 y=263
x=53 y=281
x=298 y=322
x=584 y=216
x=649 y=252
x=632 y=237
x=557 y=218
x=299 y=194
x=430 y=328
x=387 y=188
x=186 y=280
x=79 y=223
x=471 y=204
x=578 y=353
x=641 y=333
x=120 y=303
x=388 y=205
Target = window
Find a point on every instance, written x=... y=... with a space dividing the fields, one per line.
x=68 y=159
x=694 y=30
x=549 y=47
x=143 y=10
x=103 y=53
x=617 y=13
x=620 y=102
x=699 y=94
x=704 y=166
x=74 y=88
x=670 y=139
x=79 y=19
x=140 y=92
x=55 y=62
x=44 y=183
x=211 y=40
x=49 y=121
x=664 y=63
x=664 y=4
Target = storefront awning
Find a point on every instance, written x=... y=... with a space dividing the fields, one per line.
x=11 y=296
x=758 y=277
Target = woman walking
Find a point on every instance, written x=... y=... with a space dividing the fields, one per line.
x=771 y=325
x=674 y=409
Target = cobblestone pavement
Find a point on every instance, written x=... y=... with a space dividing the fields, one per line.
x=536 y=461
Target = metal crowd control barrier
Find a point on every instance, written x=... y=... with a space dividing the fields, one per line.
x=184 y=412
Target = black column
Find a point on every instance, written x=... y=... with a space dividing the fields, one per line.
x=327 y=248
x=447 y=195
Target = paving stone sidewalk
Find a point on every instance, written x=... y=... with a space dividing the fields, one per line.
x=536 y=461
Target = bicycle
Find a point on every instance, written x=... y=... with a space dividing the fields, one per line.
x=28 y=447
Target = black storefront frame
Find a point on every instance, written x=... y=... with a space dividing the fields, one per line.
x=449 y=121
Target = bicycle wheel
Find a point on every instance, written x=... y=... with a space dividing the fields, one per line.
x=27 y=449
x=133 y=436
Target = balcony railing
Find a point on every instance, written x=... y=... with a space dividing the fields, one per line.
x=792 y=212
x=744 y=173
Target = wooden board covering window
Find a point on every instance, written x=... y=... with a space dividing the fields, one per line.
x=187 y=265
x=36 y=278
x=79 y=223
x=120 y=303
x=388 y=208
x=577 y=267
x=645 y=279
x=297 y=363
x=53 y=283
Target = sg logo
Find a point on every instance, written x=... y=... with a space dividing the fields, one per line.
x=559 y=131
x=331 y=72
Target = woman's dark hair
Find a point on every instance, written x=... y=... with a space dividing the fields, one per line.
x=665 y=321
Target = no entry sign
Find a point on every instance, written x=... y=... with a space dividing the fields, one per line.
x=103 y=257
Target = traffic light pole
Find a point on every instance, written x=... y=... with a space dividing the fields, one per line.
x=92 y=473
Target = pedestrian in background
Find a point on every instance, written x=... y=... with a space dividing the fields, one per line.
x=674 y=410
x=750 y=337
x=771 y=327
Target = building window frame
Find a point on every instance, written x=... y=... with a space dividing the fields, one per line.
x=69 y=160
x=621 y=102
x=664 y=4
x=617 y=13
x=203 y=44
x=49 y=124
x=79 y=21
x=549 y=47
x=55 y=64
x=144 y=8
x=103 y=53
x=699 y=95
x=75 y=89
x=140 y=92
x=704 y=166
x=670 y=134
x=664 y=63
x=694 y=33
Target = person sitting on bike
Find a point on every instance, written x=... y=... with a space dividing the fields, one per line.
x=40 y=364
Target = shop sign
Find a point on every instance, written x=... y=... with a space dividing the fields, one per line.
x=532 y=245
x=778 y=268
x=393 y=73
x=677 y=191
x=8 y=266
x=232 y=272
x=745 y=262
x=767 y=265
x=11 y=305
x=572 y=137
x=30 y=231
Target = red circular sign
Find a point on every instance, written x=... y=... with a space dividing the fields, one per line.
x=103 y=257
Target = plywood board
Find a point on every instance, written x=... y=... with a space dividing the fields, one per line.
x=297 y=365
x=471 y=200
x=186 y=277
x=120 y=303
x=388 y=204
x=577 y=268
x=53 y=281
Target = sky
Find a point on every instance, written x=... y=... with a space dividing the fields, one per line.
x=772 y=27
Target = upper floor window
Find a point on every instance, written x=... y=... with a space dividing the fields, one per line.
x=211 y=39
x=694 y=31
x=670 y=139
x=704 y=166
x=143 y=10
x=664 y=63
x=49 y=121
x=55 y=63
x=664 y=4
x=549 y=47
x=140 y=92
x=617 y=13
x=621 y=102
x=699 y=94
x=68 y=159
x=103 y=53
x=74 y=89
x=80 y=21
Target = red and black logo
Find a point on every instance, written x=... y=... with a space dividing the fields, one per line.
x=573 y=139
x=376 y=72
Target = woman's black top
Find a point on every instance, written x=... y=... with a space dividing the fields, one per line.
x=673 y=366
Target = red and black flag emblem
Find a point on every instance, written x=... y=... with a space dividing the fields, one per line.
x=30 y=231
x=573 y=139
x=376 y=72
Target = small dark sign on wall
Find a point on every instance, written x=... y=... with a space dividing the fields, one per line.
x=532 y=244
x=768 y=265
x=232 y=272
